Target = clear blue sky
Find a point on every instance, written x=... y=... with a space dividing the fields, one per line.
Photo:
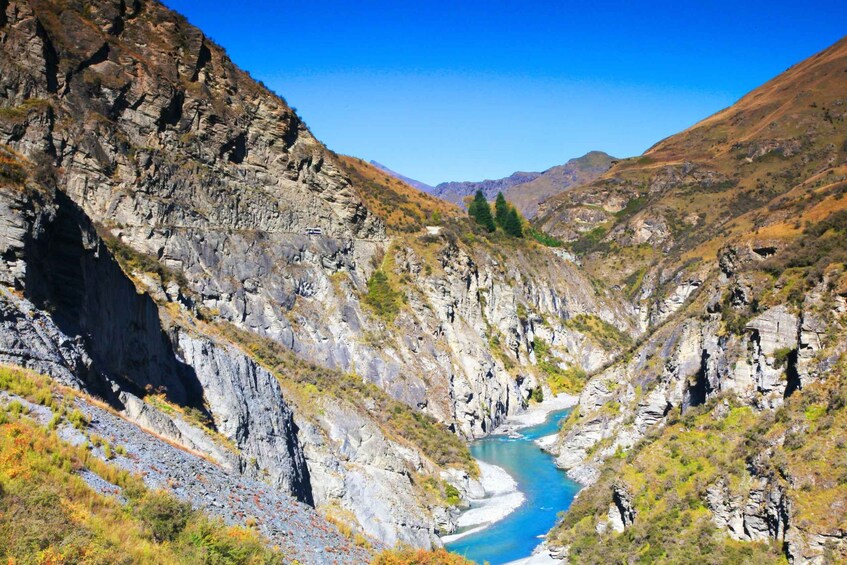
x=467 y=90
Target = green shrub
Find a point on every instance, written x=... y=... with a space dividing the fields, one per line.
x=217 y=545
x=16 y=408
x=164 y=515
x=781 y=356
x=590 y=241
x=452 y=494
x=571 y=379
x=536 y=394
x=633 y=206
x=544 y=238
x=605 y=334
x=381 y=297
x=78 y=419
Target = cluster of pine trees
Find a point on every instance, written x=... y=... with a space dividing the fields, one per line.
x=505 y=215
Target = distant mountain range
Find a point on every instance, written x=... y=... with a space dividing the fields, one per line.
x=525 y=189
x=412 y=182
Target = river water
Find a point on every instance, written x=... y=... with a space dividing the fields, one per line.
x=547 y=489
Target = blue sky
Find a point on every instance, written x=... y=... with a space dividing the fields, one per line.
x=467 y=90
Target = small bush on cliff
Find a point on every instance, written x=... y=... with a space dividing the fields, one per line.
x=544 y=238
x=605 y=334
x=163 y=515
x=11 y=171
x=590 y=242
x=558 y=379
x=131 y=260
x=382 y=297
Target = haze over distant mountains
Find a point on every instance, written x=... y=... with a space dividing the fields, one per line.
x=525 y=189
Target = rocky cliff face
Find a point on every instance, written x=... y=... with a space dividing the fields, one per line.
x=174 y=241
x=735 y=376
x=152 y=194
x=731 y=248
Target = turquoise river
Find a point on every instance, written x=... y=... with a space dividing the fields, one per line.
x=547 y=489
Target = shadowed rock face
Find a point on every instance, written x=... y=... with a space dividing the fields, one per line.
x=121 y=348
x=77 y=281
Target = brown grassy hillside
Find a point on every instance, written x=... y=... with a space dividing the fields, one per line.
x=758 y=170
x=402 y=207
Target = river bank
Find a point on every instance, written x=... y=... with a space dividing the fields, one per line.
x=497 y=528
x=536 y=414
x=502 y=496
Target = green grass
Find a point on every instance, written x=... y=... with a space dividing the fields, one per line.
x=633 y=283
x=545 y=238
x=571 y=379
x=799 y=447
x=633 y=206
x=18 y=113
x=603 y=333
x=48 y=514
x=590 y=241
x=381 y=296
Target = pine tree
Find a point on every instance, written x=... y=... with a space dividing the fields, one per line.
x=473 y=208
x=501 y=209
x=512 y=223
x=480 y=211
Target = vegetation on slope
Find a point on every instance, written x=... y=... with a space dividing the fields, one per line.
x=505 y=216
x=571 y=379
x=758 y=170
x=800 y=448
x=48 y=514
x=381 y=297
x=408 y=556
x=480 y=211
x=397 y=420
x=605 y=334
x=402 y=207
x=818 y=252
x=12 y=171
x=132 y=261
x=821 y=245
